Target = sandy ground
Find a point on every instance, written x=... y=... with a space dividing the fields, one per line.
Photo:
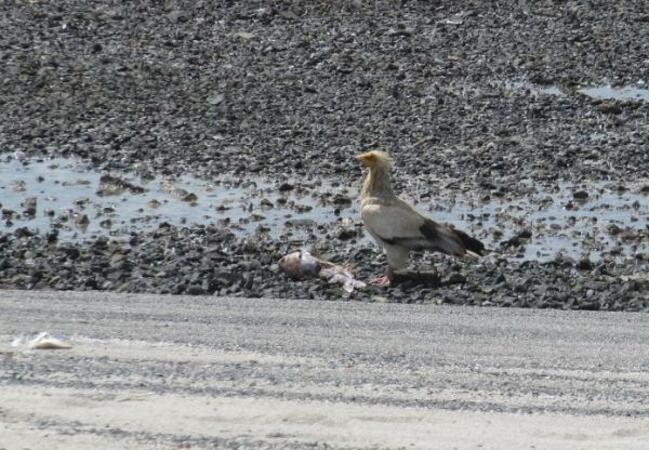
x=238 y=373
x=79 y=419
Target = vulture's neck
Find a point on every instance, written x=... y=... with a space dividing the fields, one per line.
x=377 y=183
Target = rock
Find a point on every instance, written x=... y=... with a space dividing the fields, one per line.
x=118 y=261
x=456 y=278
x=584 y=264
x=8 y=214
x=589 y=305
x=178 y=16
x=72 y=253
x=580 y=195
x=23 y=232
x=340 y=199
x=82 y=221
x=244 y=35
x=190 y=198
x=114 y=185
x=52 y=236
x=30 y=205
x=610 y=108
x=525 y=234
x=284 y=187
x=518 y=240
x=216 y=99
x=346 y=234
x=195 y=290
x=613 y=229
x=19 y=186
x=301 y=223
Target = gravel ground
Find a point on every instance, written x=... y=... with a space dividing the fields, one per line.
x=473 y=97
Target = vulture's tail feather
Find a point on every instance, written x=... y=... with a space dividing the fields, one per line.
x=471 y=244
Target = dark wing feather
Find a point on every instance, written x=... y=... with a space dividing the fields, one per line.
x=470 y=243
x=448 y=239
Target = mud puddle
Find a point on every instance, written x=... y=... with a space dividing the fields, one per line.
x=78 y=203
x=82 y=203
x=535 y=89
x=611 y=93
x=577 y=221
x=603 y=92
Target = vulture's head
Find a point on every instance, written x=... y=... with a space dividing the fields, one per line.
x=375 y=160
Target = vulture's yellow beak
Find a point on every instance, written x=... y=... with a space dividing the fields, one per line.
x=367 y=159
x=375 y=158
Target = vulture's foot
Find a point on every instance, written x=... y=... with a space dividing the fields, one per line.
x=384 y=281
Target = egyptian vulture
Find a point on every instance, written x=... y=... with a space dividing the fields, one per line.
x=397 y=227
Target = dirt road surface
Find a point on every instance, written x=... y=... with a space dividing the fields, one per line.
x=172 y=372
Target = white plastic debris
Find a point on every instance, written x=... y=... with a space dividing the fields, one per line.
x=457 y=19
x=18 y=342
x=42 y=341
